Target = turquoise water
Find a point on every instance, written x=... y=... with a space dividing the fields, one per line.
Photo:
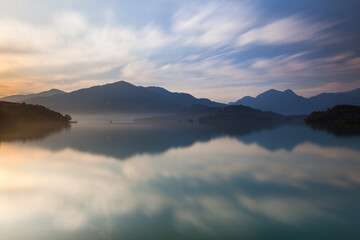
x=129 y=181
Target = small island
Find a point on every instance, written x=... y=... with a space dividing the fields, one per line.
x=341 y=120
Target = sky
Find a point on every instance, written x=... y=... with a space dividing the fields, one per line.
x=222 y=49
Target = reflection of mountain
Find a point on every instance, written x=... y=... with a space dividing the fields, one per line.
x=25 y=132
x=289 y=136
x=123 y=141
x=126 y=140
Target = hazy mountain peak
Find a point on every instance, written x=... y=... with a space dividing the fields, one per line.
x=290 y=92
x=23 y=97
x=244 y=100
x=122 y=82
x=277 y=92
x=289 y=103
x=115 y=84
x=247 y=98
x=53 y=91
x=271 y=91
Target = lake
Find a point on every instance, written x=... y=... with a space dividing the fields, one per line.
x=186 y=181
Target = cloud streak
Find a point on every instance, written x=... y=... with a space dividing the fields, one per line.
x=288 y=30
x=214 y=24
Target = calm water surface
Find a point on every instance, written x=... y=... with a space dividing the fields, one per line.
x=128 y=181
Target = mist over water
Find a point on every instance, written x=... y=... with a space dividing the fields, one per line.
x=107 y=118
x=183 y=181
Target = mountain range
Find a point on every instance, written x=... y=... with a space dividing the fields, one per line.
x=289 y=103
x=120 y=97
x=22 y=98
x=123 y=97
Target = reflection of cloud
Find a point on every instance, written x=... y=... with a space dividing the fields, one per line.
x=206 y=185
x=286 y=210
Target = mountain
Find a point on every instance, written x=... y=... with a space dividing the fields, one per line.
x=121 y=97
x=328 y=100
x=288 y=103
x=22 y=98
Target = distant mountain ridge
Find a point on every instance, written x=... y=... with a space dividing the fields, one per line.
x=22 y=98
x=121 y=97
x=289 y=103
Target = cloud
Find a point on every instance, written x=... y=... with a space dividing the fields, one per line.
x=288 y=30
x=214 y=24
x=186 y=76
x=329 y=87
x=69 y=47
x=299 y=64
x=70 y=24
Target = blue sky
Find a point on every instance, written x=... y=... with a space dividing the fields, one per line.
x=221 y=49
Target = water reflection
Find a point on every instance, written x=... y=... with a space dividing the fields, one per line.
x=25 y=132
x=123 y=141
x=180 y=184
